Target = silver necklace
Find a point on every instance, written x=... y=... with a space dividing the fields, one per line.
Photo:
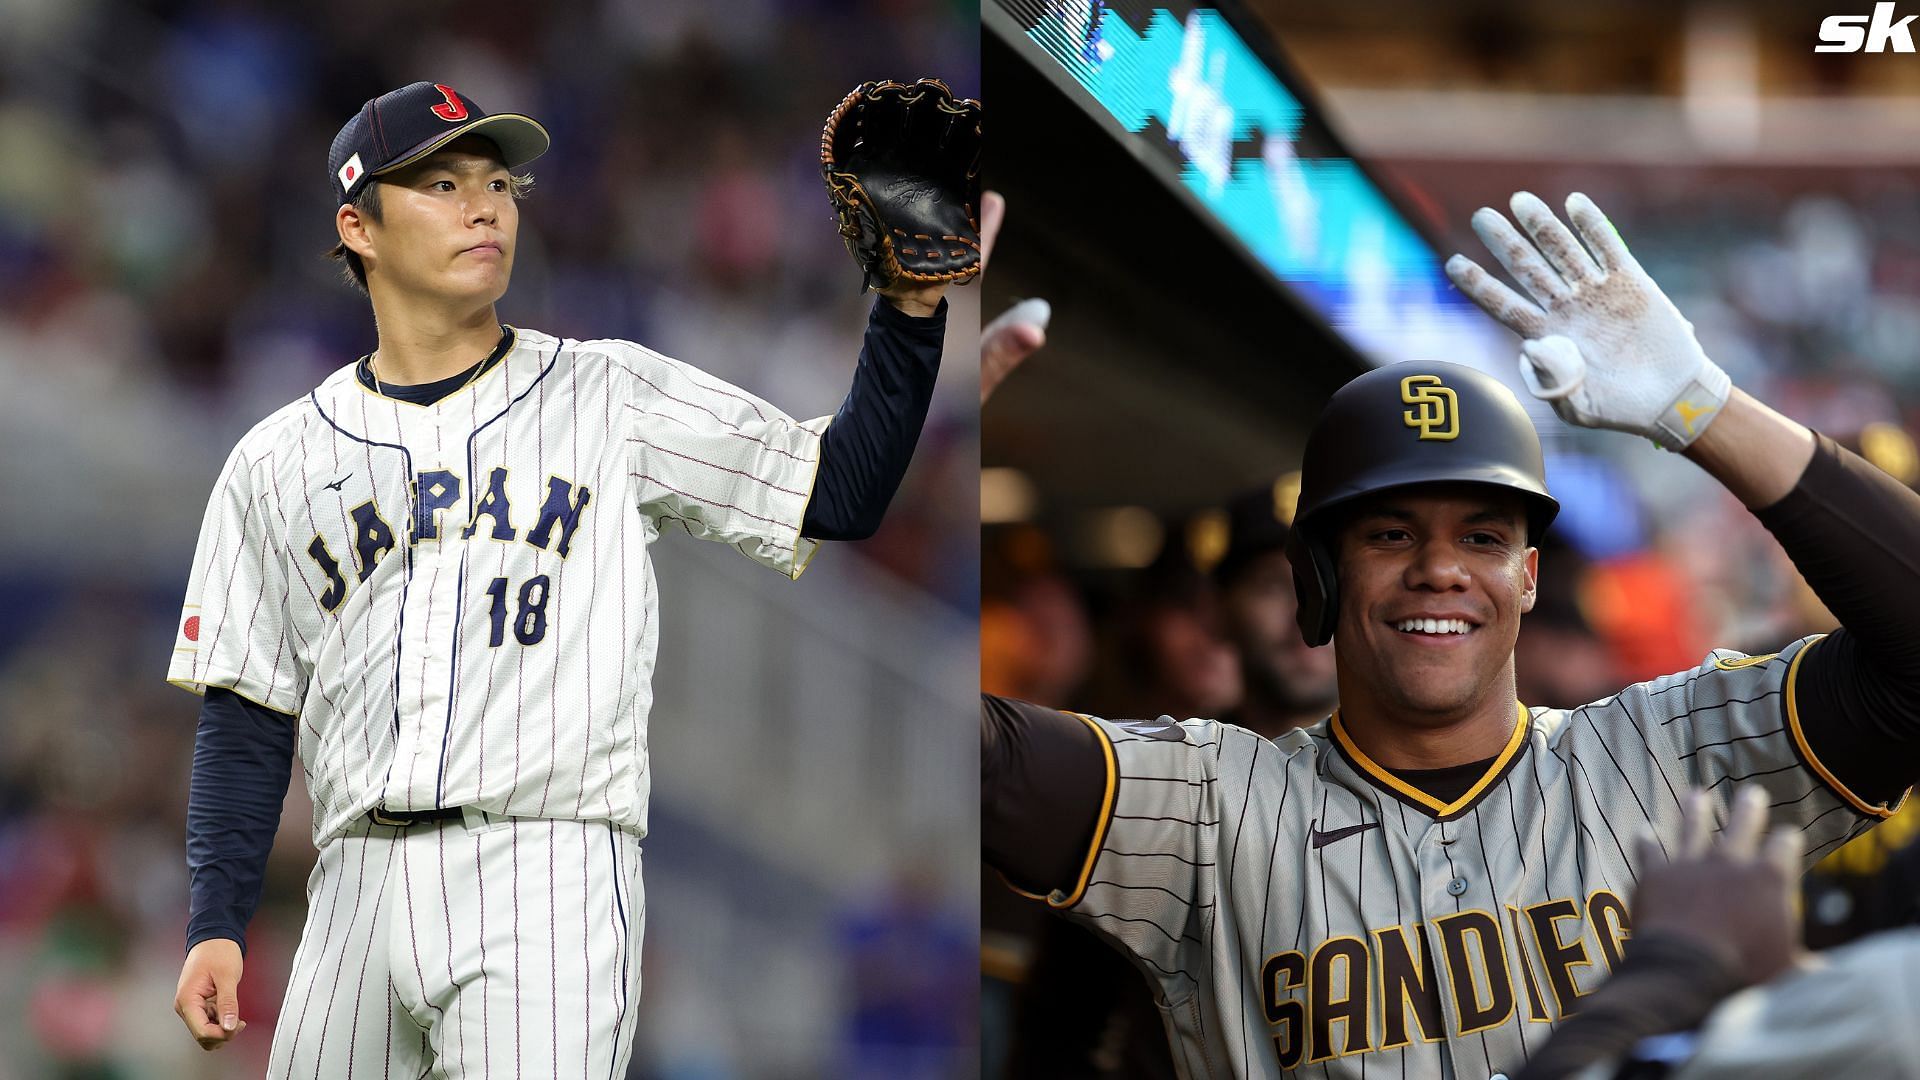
x=381 y=389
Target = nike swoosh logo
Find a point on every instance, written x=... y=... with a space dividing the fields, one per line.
x=1318 y=839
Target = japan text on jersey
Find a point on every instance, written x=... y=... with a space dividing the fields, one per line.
x=456 y=600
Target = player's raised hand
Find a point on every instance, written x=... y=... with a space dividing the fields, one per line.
x=208 y=997
x=1733 y=896
x=1020 y=330
x=1604 y=344
x=913 y=297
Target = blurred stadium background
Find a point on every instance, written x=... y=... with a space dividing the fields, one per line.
x=163 y=210
x=1234 y=207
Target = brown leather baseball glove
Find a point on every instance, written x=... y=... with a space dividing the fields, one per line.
x=902 y=166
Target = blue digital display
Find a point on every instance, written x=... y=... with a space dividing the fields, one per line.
x=1231 y=133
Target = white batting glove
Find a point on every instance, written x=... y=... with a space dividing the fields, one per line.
x=1603 y=344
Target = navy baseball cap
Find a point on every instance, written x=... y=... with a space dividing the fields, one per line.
x=402 y=126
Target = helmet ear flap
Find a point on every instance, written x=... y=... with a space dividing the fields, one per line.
x=1315 y=587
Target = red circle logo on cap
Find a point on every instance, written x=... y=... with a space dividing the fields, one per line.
x=192 y=629
x=453 y=109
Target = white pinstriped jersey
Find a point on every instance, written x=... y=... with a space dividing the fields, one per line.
x=456 y=600
x=1302 y=912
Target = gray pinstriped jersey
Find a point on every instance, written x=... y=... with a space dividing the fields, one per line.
x=1301 y=912
x=457 y=600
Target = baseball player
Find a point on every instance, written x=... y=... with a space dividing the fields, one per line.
x=430 y=577
x=1425 y=882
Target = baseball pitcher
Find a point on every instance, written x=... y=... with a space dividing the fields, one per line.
x=1427 y=881
x=429 y=578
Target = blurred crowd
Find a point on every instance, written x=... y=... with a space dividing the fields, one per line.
x=163 y=213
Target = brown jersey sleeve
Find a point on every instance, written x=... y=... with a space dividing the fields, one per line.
x=1044 y=779
x=1854 y=534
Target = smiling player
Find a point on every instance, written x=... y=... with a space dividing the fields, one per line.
x=1426 y=881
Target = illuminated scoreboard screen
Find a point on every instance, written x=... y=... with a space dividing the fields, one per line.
x=1202 y=109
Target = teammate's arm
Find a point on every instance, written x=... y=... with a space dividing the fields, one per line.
x=865 y=450
x=1015 y=333
x=1042 y=780
x=242 y=761
x=1717 y=917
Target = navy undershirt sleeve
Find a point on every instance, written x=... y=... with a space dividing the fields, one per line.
x=242 y=761
x=865 y=451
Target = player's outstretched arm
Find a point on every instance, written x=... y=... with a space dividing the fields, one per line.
x=1042 y=779
x=1758 y=454
x=1607 y=348
x=902 y=168
x=865 y=451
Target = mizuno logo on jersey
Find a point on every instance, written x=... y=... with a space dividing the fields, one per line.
x=1322 y=1005
x=436 y=492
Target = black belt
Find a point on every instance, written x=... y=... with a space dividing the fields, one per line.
x=403 y=818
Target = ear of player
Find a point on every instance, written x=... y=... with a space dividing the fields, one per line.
x=902 y=166
x=1603 y=343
